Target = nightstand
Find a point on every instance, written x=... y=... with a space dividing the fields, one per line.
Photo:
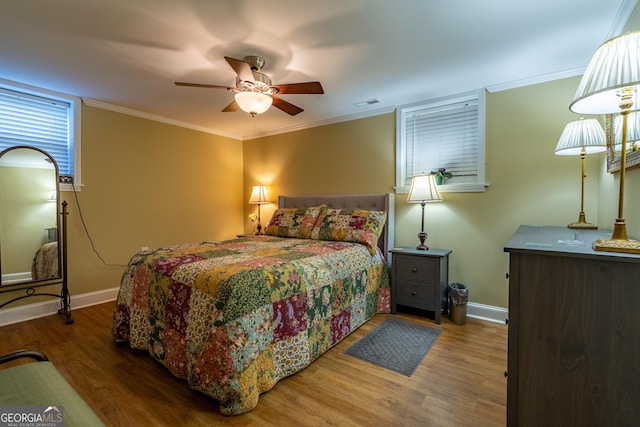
x=419 y=279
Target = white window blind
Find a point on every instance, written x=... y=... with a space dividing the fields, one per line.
x=446 y=133
x=45 y=123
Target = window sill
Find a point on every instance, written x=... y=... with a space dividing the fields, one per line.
x=451 y=188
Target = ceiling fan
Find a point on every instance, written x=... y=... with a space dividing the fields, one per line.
x=254 y=91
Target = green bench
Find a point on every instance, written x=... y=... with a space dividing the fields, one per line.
x=40 y=384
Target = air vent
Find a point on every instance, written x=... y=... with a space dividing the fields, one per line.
x=367 y=102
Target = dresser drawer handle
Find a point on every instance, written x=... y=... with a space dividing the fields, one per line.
x=414 y=269
x=414 y=293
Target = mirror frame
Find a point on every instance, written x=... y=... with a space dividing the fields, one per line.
x=613 y=164
x=61 y=272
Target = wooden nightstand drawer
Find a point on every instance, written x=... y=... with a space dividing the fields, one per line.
x=417 y=269
x=416 y=295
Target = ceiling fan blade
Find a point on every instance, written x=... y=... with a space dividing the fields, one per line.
x=242 y=69
x=231 y=107
x=313 y=88
x=286 y=106
x=203 y=85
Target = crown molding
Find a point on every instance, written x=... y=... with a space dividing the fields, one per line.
x=143 y=115
x=535 y=80
x=333 y=120
x=155 y=118
x=620 y=21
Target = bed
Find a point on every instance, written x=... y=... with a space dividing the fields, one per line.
x=235 y=317
x=45 y=262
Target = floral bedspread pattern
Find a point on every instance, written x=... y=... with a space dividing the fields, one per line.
x=235 y=317
x=45 y=262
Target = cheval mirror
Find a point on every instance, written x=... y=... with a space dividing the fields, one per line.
x=33 y=228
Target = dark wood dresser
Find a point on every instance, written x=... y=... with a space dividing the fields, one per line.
x=574 y=331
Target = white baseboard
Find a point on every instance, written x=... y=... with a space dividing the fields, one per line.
x=487 y=312
x=49 y=307
x=12 y=278
x=46 y=308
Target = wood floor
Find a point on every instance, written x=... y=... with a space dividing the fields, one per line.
x=459 y=383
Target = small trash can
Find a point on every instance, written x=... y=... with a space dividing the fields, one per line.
x=458 y=299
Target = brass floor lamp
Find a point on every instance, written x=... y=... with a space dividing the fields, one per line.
x=581 y=137
x=609 y=85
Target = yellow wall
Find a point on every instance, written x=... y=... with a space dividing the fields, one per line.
x=151 y=184
x=349 y=157
x=528 y=183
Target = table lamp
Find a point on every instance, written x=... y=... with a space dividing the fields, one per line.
x=423 y=190
x=259 y=196
x=581 y=137
x=609 y=85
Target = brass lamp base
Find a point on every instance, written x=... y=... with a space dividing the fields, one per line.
x=611 y=245
x=582 y=223
x=583 y=226
x=618 y=241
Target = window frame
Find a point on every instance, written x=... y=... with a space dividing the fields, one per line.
x=403 y=111
x=74 y=125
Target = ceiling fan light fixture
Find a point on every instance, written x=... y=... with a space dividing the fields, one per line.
x=253 y=102
x=254 y=92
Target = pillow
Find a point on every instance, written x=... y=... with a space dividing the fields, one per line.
x=351 y=225
x=293 y=222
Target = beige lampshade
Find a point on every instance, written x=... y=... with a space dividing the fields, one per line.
x=259 y=195
x=583 y=133
x=615 y=66
x=424 y=189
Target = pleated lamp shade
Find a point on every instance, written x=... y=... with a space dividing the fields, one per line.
x=583 y=133
x=614 y=66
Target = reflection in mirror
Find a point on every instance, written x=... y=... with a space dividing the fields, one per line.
x=29 y=249
x=613 y=130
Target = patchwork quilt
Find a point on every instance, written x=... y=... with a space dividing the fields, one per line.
x=235 y=317
x=45 y=262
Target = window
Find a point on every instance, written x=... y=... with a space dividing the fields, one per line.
x=42 y=119
x=443 y=133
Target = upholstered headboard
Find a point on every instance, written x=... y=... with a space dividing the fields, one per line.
x=377 y=202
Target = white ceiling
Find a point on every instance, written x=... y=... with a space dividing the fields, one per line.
x=126 y=54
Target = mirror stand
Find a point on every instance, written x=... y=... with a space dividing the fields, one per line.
x=33 y=228
x=32 y=289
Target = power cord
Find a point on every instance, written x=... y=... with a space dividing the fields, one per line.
x=84 y=225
